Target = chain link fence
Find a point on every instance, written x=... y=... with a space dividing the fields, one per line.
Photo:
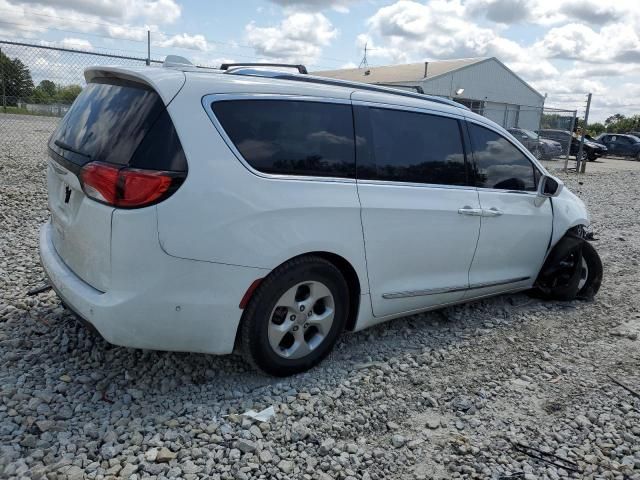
x=38 y=84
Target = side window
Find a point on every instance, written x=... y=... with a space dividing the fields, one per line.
x=499 y=163
x=403 y=146
x=291 y=137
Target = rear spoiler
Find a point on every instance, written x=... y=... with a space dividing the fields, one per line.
x=167 y=82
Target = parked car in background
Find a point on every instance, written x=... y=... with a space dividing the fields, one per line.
x=621 y=144
x=207 y=210
x=591 y=150
x=635 y=134
x=542 y=148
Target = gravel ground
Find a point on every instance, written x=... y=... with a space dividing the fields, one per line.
x=455 y=393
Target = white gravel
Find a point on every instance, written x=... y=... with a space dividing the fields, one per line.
x=441 y=395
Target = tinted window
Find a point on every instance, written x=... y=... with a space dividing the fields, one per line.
x=409 y=147
x=119 y=122
x=499 y=163
x=291 y=137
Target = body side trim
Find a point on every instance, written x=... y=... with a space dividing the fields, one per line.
x=435 y=291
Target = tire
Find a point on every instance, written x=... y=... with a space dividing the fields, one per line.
x=285 y=328
x=593 y=279
x=583 y=284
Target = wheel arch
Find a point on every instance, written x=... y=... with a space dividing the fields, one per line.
x=346 y=269
x=353 y=282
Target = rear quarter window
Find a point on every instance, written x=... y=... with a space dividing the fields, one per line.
x=291 y=137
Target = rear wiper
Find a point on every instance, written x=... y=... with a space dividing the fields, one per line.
x=65 y=146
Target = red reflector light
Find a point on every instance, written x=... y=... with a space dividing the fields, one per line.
x=249 y=293
x=125 y=187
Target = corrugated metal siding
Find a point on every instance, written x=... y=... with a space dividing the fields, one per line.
x=529 y=118
x=487 y=81
x=494 y=111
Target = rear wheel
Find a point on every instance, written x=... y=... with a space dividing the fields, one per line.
x=295 y=316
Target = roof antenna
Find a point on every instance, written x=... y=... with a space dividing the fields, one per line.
x=363 y=62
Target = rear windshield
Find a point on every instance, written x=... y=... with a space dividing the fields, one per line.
x=122 y=123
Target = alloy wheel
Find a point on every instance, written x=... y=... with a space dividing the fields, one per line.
x=301 y=319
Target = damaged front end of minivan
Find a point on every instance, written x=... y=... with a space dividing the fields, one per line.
x=572 y=270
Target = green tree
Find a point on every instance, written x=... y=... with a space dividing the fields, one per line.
x=48 y=87
x=68 y=94
x=596 y=128
x=15 y=80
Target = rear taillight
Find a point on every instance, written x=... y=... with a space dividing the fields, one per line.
x=125 y=187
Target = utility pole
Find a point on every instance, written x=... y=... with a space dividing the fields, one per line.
x=364 y=63
x=4 y=82
x=566 y=157
x=148 y=48
x=581 y=164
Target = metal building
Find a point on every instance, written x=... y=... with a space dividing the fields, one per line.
x=486 y=85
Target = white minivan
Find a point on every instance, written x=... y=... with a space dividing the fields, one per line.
x=203 y=210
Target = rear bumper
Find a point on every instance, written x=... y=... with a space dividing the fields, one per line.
x=178 y=305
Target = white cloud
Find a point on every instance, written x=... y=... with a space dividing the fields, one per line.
x=298 y=38
x=550 y=12
x=161 y=11
x=192 y=42
x=316 y=5
x=120 y=19
x=76 y=43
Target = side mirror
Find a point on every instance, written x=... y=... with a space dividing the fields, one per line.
x=549 y=186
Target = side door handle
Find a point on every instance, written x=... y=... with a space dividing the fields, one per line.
x=491 y=212
x=466 y=210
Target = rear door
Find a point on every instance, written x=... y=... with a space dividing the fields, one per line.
x=419 y=212
x=516 y=224
x=109 y=123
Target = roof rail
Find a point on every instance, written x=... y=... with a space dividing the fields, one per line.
x=417 y=88
x=301 y=68
x=371 y=88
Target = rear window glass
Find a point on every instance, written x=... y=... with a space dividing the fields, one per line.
x=291 y=137
x=122 y=123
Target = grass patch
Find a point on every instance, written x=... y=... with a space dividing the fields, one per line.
x=24 y=111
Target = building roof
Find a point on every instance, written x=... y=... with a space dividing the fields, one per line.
x=409 y=72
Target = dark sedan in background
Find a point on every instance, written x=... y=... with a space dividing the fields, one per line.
x=591 y=149
x=542 y=148
x=621 y=144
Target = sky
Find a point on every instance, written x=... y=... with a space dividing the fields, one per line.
x=563 y=48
